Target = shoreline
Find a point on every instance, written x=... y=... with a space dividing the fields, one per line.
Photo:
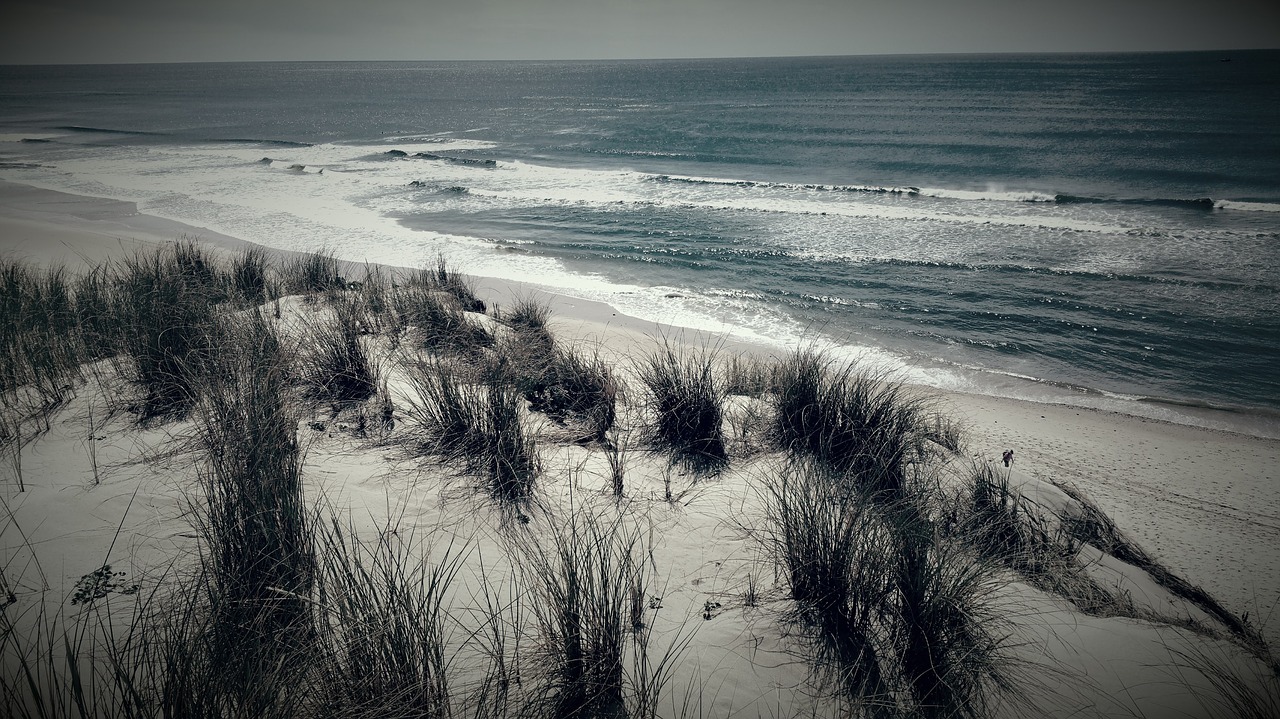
x=105 y=227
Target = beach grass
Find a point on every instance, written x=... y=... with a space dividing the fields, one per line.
x=250 y=276
x=564 y=383
x=310 y=273
x=686 y=406
x=439 y=320
x=382 y=619
x=588 y=583
x=339 y=367
x=897 y=616
x=254 y=520
x=475 y=425
x=861 y=424
x=164 y=309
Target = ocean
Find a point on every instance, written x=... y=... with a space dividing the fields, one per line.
x=1098 y=229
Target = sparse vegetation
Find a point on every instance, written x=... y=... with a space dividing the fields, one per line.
x=250 y=280
x=885 y=552
x=561 y=382
x=588 y=588
x=254 y=521
x=311 y=273
x=164 y=307
x=441 y=324
x=894 y=613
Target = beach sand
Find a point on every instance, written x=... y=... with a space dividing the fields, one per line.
x=1203 y=502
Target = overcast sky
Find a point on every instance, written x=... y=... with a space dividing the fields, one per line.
x=55 y=31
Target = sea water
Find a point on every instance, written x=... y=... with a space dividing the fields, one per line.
x=1097 y=229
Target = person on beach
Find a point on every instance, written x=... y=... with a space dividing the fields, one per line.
x=1008 y=457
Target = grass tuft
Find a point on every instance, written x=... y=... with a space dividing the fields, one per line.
x=250 y=277
x=476 y=425
x=442 y=325
x=311 y=273
x=896 y=615
x=686 y=403
x=382 y=618
x=859 y=424
x=587 y=597
x=164 y=305
x=255 y=524
x=339 y=368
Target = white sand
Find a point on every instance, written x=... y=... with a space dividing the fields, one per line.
x=1204 y=502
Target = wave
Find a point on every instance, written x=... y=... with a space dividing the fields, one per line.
x=1199 y=203
x=468 y=161
x=1216 y=285
x=107 y=130
x=450 y=190
x=792 y=206
x=876 y=189
x=644 y=153
x=1247 y=206
x=24 y=137
x=259 y=141
x=992 y=195
x=291 y=166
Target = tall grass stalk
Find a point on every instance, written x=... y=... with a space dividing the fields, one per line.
x=616 y=451
x=249 y=276
x=897 y=616
x=1086 y=522
x=255 y=525
x=837 y=561
x=382 y=617
x=447 y=280
x=40 y=354
x=569 y=387
x=1244 y=692
x=95 y=316
x=164 y=305
x=1003 y=527
x=442 y=325
x=339 y=368
x=592 y=651
x=310 y=273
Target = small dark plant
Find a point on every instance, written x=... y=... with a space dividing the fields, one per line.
x=686 y=404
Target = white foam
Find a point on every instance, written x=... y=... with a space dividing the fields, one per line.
x=995 y=195
x=1247 y=206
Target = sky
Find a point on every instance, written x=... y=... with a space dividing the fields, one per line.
x=109 y=31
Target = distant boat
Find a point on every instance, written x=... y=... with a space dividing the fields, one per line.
x=1224 y=59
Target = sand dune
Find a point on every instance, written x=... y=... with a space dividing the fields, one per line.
x=99 y=489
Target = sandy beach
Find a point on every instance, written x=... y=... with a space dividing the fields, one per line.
x=1203 y=503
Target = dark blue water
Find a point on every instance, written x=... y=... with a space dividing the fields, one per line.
x=1108 y=225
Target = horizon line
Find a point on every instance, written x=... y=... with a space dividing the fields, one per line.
x=659 y=59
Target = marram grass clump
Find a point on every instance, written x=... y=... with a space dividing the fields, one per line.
x=686 y=406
